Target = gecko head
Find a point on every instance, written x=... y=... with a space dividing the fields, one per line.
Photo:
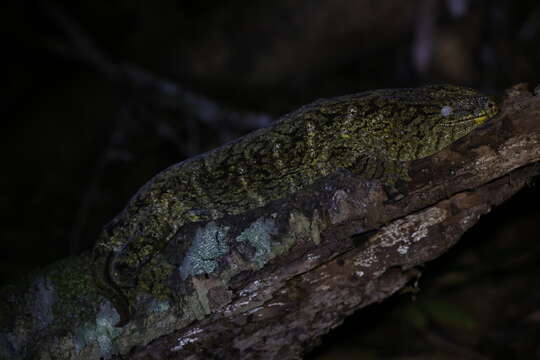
x=461 y=106
x=432 y=117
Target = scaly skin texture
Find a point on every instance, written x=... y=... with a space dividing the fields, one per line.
x=371 y=134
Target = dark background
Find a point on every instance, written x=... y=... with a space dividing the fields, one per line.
x=102 y=95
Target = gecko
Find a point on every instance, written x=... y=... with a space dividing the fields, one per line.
x=372 y=134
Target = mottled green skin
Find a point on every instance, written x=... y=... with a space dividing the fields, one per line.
x=370 y=134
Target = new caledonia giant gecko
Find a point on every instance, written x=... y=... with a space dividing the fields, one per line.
x=372 y=134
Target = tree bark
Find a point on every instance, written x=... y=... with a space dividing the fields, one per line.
x=294 y=269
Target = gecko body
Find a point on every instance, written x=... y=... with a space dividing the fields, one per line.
x=371 y=134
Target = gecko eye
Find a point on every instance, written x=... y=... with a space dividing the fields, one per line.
x=446 y=110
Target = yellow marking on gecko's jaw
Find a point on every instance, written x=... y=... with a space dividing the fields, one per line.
x=480 y=120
